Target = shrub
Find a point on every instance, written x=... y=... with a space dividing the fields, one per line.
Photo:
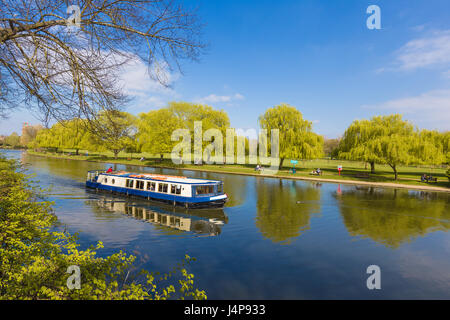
x=34 y=260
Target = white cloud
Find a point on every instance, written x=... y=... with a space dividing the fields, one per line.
x=148 y=93
x=136 y=80
x=213 y=98
x=428 y=110
x=425 y=52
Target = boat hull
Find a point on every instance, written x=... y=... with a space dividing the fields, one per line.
x=187 y=202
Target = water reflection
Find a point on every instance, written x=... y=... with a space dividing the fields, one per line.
x=173 y=221
x=284 y=208
x=393 y=216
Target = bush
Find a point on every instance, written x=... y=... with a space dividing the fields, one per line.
x=34 y=260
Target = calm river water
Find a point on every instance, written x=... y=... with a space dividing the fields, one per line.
x=276 y=239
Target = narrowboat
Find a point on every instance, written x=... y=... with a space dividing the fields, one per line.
x=175 y=190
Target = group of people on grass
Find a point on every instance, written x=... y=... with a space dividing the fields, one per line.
x=426 y=178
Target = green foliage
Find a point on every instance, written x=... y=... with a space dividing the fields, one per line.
x=34 y=260
x=114 y=131
x=330 y=147
x=297 y=141
x=448 y=174
x=155 y=131
x=155 y=128
x=69 y=134
x=12 y=140
x=388 y=140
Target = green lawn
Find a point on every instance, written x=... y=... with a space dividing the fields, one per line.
x=406 y=174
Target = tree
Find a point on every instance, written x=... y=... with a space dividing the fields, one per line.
x=116 y=131
x=354 y=143
x=330 y=147
x=13 y=140
x=47 y=138
x=29 y=134
x=440 y=140
x=388 y=140
x=156 y=127
x=75 y=134
x=67 y=65
x=155 y=131
x=297 y=141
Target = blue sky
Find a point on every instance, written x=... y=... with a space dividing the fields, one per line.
x=316 y=55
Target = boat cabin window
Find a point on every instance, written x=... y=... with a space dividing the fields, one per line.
x=129 y=210
x=163 y=187
x=204 y=190
x=175 y=189
x=140 y=184
x=113 y=181
x=129 y=183
x=106 y=180
x=220 y=188
x=151 y=186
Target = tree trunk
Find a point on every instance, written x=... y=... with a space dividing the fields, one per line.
x=372 y=167
x=77 y=151
x=281 y=163
x=116 y=153
x=394 y=167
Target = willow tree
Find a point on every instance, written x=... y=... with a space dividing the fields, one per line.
x=354 y=143
x=155 y=130
x=117 y=130
x=62 y=59
x=388 y=140
x=297 y=141
x=156 y=127
x=440 y=140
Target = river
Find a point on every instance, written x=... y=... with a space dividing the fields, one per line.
x=275 y=239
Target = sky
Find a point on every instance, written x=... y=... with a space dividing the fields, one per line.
x=317 y=55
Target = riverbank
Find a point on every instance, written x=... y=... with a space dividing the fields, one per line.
x=347 y=177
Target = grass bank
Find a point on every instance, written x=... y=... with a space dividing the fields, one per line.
x=354 y=172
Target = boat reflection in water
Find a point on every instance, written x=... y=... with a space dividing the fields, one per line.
x=172 y=220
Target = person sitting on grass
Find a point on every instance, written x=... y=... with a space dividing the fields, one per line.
x=424 y=178
x=318 y=171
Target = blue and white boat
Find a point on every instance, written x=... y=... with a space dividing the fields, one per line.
x=183 y=191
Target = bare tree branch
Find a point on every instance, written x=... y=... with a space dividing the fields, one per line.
x=62 y=71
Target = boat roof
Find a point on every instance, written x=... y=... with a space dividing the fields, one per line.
x=159 y=177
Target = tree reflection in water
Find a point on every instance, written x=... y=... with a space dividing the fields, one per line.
x=393 y=216
x=284 y=208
